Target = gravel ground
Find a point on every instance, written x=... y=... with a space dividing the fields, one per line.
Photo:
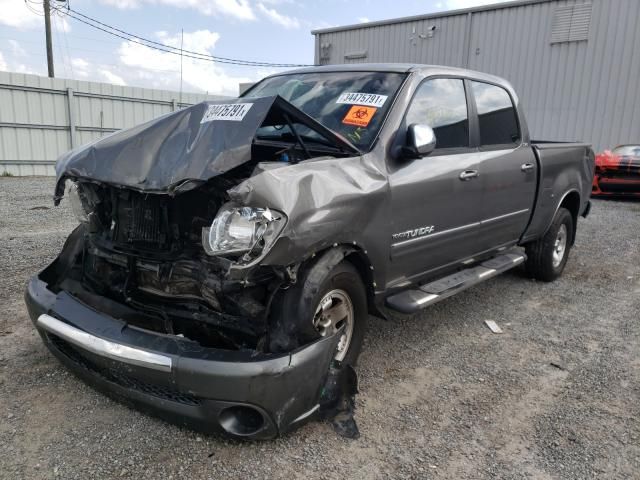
x=556 y=396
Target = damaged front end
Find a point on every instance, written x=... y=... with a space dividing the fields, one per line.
x=159 y=296
x=164 y=258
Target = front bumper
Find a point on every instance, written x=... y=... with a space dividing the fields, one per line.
x=241 y=393
x=620 y=184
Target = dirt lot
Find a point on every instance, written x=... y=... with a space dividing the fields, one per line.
x=556 y=396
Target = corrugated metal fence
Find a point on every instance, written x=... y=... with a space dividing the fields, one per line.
x=41 y=118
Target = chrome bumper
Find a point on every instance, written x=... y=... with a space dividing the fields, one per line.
x=104 y=348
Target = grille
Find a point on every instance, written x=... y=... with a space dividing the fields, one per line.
x=141 y=219
x=625 y=173
x=611 y=187
x=120 y=378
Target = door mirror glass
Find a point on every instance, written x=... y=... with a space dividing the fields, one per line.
x=421 y=140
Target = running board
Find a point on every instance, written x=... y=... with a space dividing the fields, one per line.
x=421 y=296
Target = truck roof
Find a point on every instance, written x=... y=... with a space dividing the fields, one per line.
x=402 y=68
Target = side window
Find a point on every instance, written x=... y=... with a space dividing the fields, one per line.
x=441 y=104
x=496 y=115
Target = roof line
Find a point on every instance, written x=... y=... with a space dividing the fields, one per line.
x=447 y=13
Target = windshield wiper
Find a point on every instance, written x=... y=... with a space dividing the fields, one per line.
x=295 y=132
x=307 y=138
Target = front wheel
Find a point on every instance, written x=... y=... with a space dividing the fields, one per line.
x=547 y=256
x=322 y=303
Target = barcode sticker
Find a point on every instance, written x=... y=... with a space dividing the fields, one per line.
x=230 y=111
x=366 y=99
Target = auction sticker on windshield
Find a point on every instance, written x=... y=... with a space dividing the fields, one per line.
x=229 y=111
x=367 y=99
x=359 y=115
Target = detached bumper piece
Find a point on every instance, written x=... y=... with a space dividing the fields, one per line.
x=417 y=298
x=244 y=394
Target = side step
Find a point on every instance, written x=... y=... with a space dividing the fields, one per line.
x=421 y=296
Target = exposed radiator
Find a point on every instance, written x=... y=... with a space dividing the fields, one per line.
x=141 y=219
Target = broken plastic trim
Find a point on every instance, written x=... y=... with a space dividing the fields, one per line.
x=337 y=402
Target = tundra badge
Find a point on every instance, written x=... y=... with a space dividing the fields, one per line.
x=416 y=232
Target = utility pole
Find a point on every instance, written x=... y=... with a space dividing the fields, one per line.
x=47 y=31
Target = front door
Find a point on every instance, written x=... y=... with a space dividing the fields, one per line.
x=436 y=200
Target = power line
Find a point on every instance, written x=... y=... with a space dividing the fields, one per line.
x=169 y=46
x=66 y=43
x=94 y=23
x=56 y=33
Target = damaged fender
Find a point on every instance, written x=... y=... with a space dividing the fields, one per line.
x=324 y=201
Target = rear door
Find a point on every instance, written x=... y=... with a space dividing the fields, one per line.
x=435 y=200
x=508 y=168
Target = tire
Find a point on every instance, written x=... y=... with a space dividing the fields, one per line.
x=545 y=261
x=296 y=318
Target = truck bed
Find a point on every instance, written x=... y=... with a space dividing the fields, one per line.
x=564 y=168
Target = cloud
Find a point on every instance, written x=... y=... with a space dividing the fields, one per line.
x=238 y=9
x=60 y=23
x=111 y=77
x=278 y=18
x=81 y=68
x=16 y=49
x=3 y=64
x=143 y=63
x=16 y=14
x=122 y=4
x=363 y=19
x=458 y=4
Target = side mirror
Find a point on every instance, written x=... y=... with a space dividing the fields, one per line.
x=421 y=140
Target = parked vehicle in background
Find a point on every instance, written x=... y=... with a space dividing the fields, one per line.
x=618 y=172
x=229 y=254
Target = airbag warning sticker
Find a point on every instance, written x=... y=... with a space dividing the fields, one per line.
x=359 y=115
x=368 y=99
x=230 y=111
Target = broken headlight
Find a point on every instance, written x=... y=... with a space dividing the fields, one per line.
x=242 y=230
x=75 y=195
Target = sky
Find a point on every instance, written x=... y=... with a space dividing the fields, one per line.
x=275 y=31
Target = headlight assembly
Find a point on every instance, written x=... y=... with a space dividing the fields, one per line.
x=75 y=195
x=242 y=230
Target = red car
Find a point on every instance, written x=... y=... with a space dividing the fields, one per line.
x=618 y=172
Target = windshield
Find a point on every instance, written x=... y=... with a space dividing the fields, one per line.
x=627 y=151
x=352 y=104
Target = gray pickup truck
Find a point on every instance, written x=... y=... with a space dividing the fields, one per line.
x=228 y=254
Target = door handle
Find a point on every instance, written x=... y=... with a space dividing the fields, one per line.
x=468 y=175
x=525 y=167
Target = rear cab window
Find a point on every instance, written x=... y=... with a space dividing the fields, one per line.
x=497 y=118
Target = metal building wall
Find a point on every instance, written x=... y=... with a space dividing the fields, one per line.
x=41 y=118
x=586 y=90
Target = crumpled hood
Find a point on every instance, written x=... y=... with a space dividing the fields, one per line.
x=191 y=146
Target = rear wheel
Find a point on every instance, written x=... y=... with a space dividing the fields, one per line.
x=547 y=256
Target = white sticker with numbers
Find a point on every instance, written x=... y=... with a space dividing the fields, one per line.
x=366 y=99
x=228 y=111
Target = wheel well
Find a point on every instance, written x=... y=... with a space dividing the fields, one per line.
x=572 y=203
x=360 y=261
